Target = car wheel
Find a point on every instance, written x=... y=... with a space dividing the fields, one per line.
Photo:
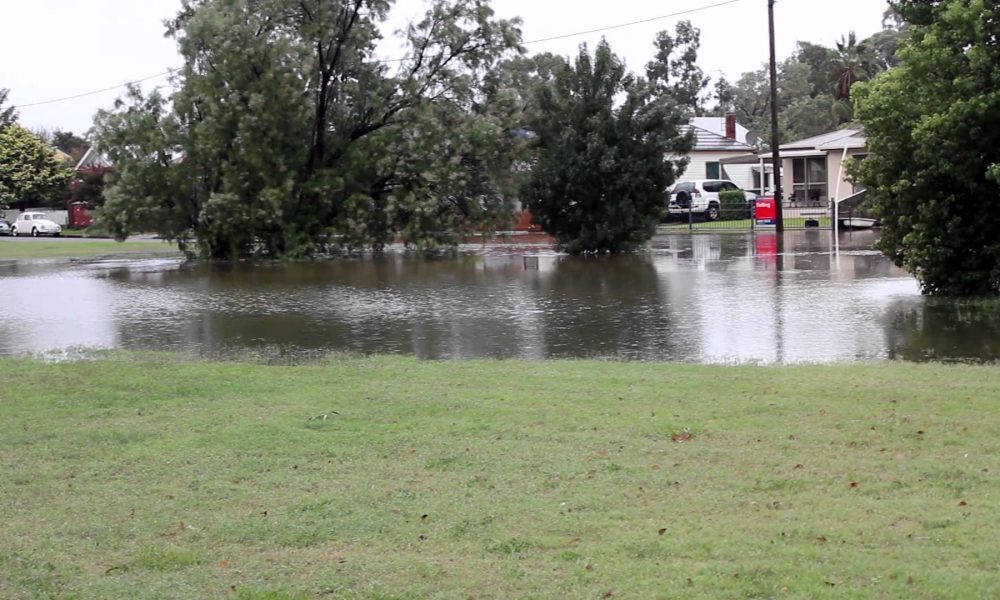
x=34 y=232
x=56 y=234
x=13 y=232
x=712 y=213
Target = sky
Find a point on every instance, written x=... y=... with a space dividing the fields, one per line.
x=52 y=49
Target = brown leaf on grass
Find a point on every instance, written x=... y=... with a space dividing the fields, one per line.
x=423 y=517
x=662 y=530
x=963 y=503
x=608 y=594
x=854 y=484
x=799 y=467
x=177 y=531
x=589 y=567
x=821 y=539
x=684 y=436
x=223 y=564
x=602 y=453
x=655 y=467
x=909 y=580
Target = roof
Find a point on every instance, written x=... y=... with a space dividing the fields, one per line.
x=93 y=159
x=710 y=135
x=853 y=137
x=61 y=156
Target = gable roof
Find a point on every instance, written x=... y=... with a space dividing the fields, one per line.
x=93 y=159
x=852 y=137
x=710 y=135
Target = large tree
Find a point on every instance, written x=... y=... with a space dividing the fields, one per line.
x=814 y=85
x=604 y=138
x=286 y=135
x=29 y=170
x=933 y=171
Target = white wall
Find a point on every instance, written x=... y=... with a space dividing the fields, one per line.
x=741 y=175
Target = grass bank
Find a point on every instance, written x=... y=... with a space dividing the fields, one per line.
x=392 y=478
x=21 y=249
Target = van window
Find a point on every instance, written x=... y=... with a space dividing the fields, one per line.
x=712 y=186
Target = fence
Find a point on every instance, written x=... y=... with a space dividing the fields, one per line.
x=795 y=215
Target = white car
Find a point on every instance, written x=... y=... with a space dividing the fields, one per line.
x=702 y=196
x=35 y=224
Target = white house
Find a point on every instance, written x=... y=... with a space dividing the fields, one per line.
x=723 y=149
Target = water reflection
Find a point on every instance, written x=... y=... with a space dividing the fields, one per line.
x=701 y=298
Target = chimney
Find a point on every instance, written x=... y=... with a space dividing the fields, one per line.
x=731 y=126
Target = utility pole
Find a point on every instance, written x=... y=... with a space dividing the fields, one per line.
x=775 y=138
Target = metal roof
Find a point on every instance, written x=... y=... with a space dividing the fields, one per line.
x=705 y=140
x=834 y=140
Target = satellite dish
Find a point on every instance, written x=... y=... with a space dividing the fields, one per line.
x=752 y=138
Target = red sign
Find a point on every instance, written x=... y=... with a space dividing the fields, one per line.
x=766 y=211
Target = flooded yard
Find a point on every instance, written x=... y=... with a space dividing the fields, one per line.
x=704 y=298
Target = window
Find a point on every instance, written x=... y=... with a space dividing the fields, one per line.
x=713 y=170
x=809 y=181
x=762 y=189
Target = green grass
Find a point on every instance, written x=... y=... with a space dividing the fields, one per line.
x=49 y=248
x=393 y=478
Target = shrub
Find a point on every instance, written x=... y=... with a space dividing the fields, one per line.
x=733 y=205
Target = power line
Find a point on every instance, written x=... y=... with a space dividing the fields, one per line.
x=100 y=91
x=630 y=24
x=397 y=60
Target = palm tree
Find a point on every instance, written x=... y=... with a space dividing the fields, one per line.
x=851 y=64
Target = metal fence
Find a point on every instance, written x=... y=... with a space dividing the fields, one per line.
x=795 y=216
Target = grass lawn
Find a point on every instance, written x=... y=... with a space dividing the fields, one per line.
x=392 y=478
x=49 y=248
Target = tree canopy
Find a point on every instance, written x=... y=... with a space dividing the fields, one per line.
x=286 y=135
x=814 y=84
x=8 y=116
x=602 y=167
x=933 y=129
x=29 y=170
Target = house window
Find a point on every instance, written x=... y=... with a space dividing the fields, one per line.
x=809 y=181
x=713 y=170
x=757 y=187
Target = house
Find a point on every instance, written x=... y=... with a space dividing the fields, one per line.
x=93 y=160
x=814 y=170
x=723 y=149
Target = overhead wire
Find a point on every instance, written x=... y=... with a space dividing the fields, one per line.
x=397 y=60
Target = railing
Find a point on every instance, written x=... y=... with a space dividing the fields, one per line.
x=796 y=215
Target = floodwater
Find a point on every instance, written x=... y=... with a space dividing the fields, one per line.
x=701 y=298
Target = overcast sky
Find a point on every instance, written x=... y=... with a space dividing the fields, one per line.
x=56 y=48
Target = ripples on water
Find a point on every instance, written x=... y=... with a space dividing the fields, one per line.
x=703 y=298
